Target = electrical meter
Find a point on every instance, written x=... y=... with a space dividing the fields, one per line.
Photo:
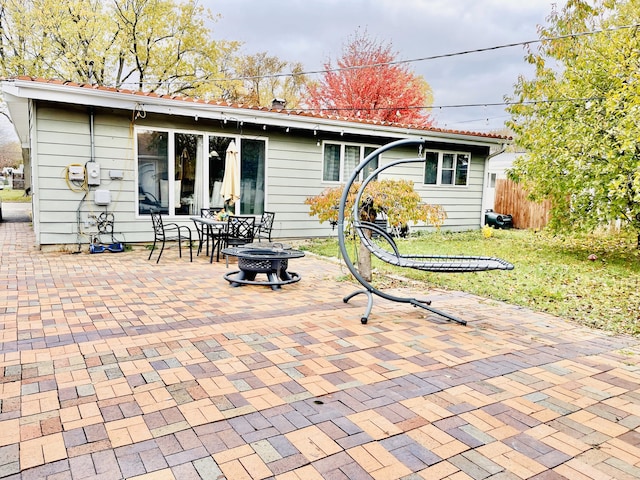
x=93 y=173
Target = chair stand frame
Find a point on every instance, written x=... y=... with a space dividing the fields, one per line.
x=370 y=290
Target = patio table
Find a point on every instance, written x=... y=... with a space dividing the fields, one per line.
x=272 y=261
x=210 y=224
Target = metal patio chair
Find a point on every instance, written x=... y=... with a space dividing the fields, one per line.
x=240 y=231
x=166 y=232
x=265 y=227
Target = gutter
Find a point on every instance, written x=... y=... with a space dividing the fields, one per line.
x=485 y=181
x=92 y=95
x=503 y=149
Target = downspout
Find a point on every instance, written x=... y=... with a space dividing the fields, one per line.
x=502 y=149
x=33 y=166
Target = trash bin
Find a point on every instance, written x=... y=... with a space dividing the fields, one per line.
x=497 y=220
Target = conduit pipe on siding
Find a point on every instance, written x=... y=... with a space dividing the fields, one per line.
x=92 y=135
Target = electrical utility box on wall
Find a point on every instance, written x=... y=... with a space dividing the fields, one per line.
x=75 y=173
x=93 y=173
x=102 y=197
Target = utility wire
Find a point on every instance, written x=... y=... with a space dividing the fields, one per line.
x=423 y=59
x=434 y=57
x=445 y=55
x=464 y=105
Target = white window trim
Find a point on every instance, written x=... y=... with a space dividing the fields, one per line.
x=205 y=146
x=343 y=146
x=441 y=154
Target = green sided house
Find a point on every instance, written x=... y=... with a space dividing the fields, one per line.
x=95 y=151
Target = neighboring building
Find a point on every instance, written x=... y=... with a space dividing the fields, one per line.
x=96 y=150
x=497 y=170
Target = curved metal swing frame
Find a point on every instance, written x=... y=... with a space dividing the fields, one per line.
x=436 y=263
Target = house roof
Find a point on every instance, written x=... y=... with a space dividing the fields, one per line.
x=18 y=91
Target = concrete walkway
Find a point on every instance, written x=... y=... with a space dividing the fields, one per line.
x=16 y=212
x=116 y=367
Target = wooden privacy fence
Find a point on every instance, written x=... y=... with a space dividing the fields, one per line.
x=511 y=199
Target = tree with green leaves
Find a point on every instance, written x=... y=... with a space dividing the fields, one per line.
x=261 y=78
x=578 y=118
x=159 y=46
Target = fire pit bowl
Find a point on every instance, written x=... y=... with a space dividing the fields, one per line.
x=272 y=261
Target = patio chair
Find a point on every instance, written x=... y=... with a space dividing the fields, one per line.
x=165 y=232
x=206 y=232
x=265 y=227
x=240 y=231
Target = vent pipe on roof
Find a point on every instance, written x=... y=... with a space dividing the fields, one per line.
x=278 y=103
x=91 y=72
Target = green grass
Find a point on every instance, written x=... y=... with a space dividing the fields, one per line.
x=9 y=195
x=552 y=273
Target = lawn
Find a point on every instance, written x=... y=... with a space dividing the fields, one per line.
x=553 y=274
x=10 y=195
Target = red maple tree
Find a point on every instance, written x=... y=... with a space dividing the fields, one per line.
x=370 y=83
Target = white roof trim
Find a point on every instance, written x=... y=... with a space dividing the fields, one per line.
x=17 y=89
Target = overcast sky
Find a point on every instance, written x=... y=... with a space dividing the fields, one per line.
x=312 y=32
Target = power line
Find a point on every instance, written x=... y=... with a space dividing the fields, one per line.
x=428 y=58
x=424 y=59
x=448 y=55
x=437 y=107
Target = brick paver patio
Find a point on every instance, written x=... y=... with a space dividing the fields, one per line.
x=114 y=367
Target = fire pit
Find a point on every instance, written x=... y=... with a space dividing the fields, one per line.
x=272 y=261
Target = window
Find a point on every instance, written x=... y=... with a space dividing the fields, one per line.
x=446 y=168
x=176 y=178
x=217 y=160
x=492 y=180
x=372 y=165
x=331 y=169
x=153 y=171
x=340 y=160
x=188 y=173
x=252 y=174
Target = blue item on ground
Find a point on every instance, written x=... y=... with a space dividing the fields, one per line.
x=116 y=247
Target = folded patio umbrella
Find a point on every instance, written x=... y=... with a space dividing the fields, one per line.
x=230 y=189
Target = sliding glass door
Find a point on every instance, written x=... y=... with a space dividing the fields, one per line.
x=217 y=161
x=176 y=177
x=188 y=173
x=252 y=173
x=252 y=161
x=153 y=171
